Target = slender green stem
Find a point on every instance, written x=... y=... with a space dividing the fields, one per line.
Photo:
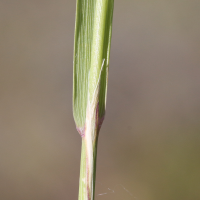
x=83 y=174
x=85 y=192
x=91 y=61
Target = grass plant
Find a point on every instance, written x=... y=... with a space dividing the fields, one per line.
x=93 y=29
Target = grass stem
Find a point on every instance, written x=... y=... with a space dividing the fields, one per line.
x=93 y=30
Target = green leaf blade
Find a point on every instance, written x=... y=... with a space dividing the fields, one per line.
x=82 y=57
x=91 y=56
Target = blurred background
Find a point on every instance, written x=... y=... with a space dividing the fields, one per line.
x=149 y=145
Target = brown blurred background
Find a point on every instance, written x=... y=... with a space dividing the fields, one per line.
x=149 y=145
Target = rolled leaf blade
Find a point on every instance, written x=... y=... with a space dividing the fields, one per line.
x=91 y=56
